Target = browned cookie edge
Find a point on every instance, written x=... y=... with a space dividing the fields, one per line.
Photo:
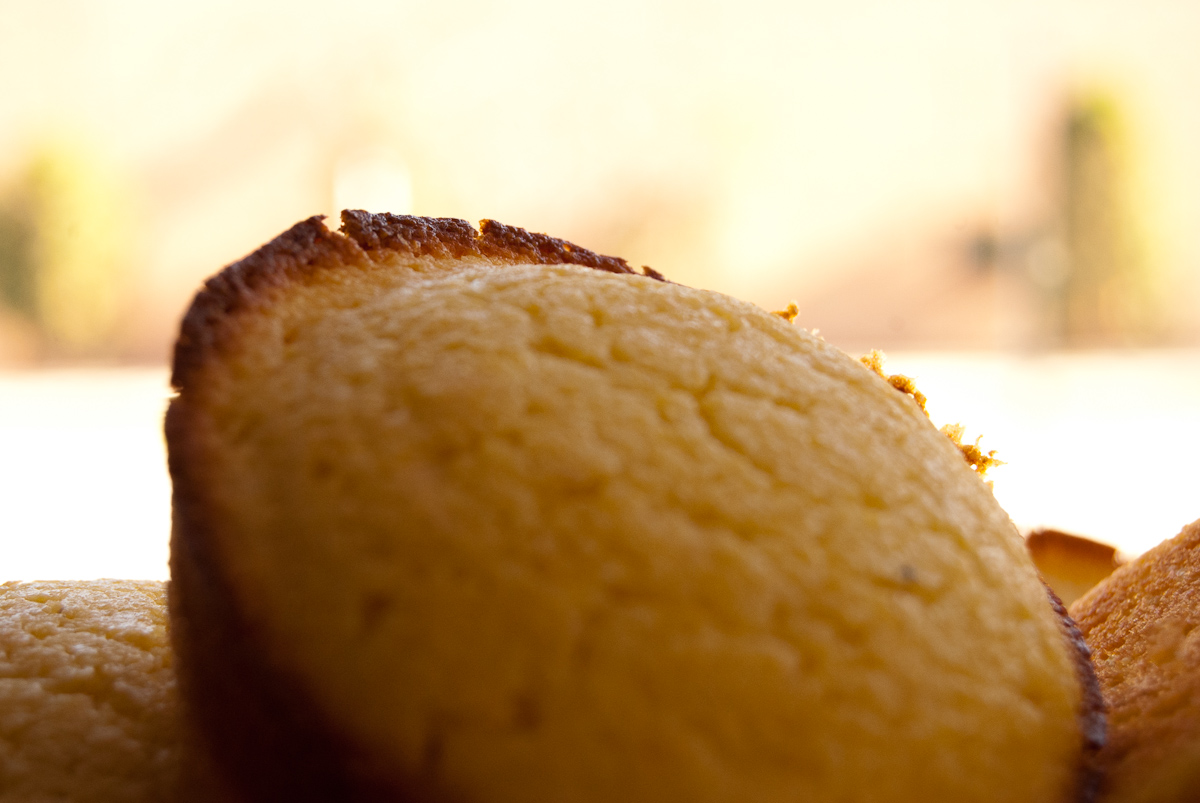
x=364 y=238
x=258 y=723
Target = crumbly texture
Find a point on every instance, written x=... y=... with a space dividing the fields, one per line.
x=979 y=460
x=1143 y=625
x=1070 y=564
x=87 y=693
x=456 y=523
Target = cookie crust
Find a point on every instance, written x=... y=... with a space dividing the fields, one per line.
x=364 y=239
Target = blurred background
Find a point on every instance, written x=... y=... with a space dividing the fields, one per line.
x=1001 y=196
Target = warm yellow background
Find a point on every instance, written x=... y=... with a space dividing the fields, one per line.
x=845 y=154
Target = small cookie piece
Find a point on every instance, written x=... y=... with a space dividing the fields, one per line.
x=88 y=706
x=87 y=693
x=1143 y=626
x=1071 y=564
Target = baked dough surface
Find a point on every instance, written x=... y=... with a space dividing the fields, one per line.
x=88 y=712
x=530 y=532
x=1143 y=625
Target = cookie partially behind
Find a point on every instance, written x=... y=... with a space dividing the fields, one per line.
x=485 y=516
x=1070 y=564
x=87 y=693
x=1143 y=625
x=89 y=711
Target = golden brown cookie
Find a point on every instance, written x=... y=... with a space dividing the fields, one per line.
x=88 y=705
x=484 y=516
x=1143 y=625
x=87 y=693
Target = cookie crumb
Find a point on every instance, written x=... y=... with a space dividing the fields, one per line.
x=900 y=382
x=979 y=460
x=789 y=312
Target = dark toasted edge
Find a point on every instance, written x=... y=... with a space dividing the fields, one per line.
x=364 y=239
x=449 y=237
x=304 y=248
x=1092 y=716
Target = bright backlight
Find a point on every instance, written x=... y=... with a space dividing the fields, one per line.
x=1099 y=444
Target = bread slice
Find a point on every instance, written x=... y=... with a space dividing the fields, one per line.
x=1143 y=625
x=485 y=516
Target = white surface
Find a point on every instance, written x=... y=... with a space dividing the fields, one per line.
x=84 y=491
x=1103 y=444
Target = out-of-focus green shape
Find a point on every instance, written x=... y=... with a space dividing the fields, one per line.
x=1108 y=296
x=17 y=270
x=64 y=247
